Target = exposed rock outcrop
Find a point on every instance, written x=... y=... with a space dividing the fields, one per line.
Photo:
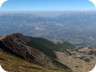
x=16 y=44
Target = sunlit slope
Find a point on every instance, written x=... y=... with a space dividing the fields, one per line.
x=12 y=63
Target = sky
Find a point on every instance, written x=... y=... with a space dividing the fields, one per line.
x=47 y=5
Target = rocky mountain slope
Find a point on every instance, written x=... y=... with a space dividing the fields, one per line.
x=18 y=50
x=41 y=55
x=12 y=63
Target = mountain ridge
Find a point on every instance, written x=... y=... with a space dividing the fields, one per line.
x=16 y=45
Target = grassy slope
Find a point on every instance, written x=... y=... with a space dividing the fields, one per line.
x=12 y=63
x=76 y=65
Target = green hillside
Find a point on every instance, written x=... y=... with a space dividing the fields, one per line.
x=43 y=45
x=49 y=47
x=64 y=46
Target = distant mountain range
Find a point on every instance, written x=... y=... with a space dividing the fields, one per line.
x=75 y=27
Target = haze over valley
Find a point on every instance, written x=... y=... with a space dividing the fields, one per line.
x=75 y=27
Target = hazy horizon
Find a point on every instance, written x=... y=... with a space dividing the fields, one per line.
x=47 y=13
